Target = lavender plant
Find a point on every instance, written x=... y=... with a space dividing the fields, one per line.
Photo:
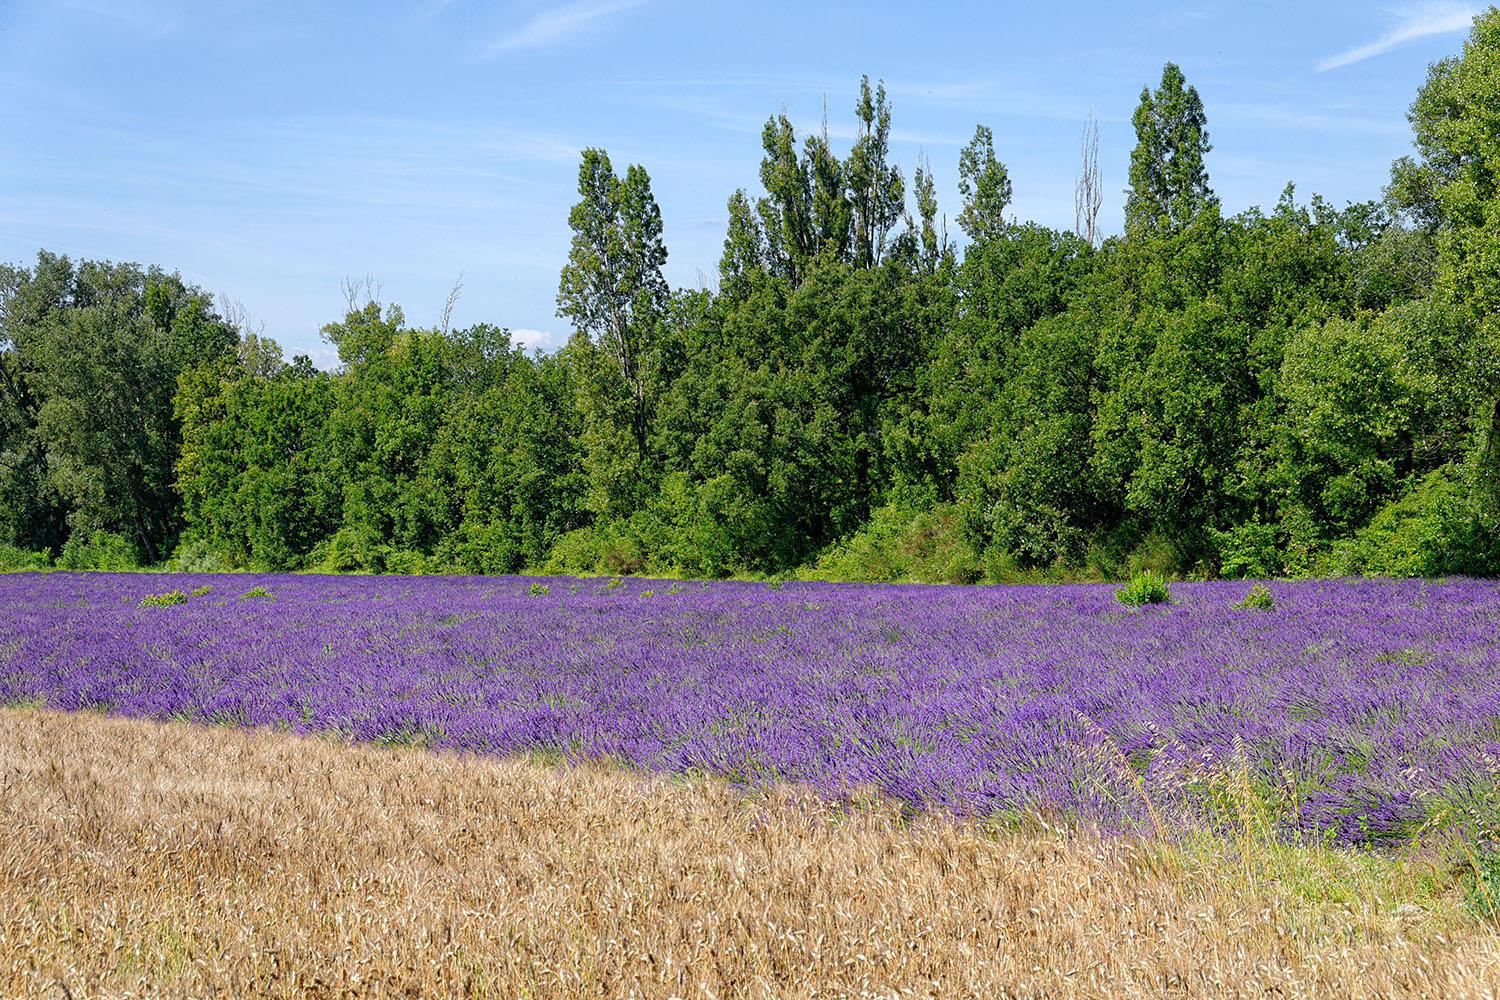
x=1353 y=711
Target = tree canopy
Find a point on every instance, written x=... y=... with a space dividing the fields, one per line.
x=1308 y=389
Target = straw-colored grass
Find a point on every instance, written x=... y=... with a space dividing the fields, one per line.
x=145 y=859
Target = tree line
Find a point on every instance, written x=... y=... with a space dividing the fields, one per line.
x=1308 y=389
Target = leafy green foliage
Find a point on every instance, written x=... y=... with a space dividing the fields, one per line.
x=101 y=550
x=1259 y=597
x=612 y=287
x=1435 y=527
x=1455 y=190
x=163 y=600
x=1481 y=885
x=89 y=360
x=18 y=560
x=1146 y=587
x=909 y=538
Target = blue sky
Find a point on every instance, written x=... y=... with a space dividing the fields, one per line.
x=269 y=151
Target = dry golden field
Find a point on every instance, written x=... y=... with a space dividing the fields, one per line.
x=162 y=860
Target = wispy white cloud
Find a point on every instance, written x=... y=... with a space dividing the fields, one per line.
x=559 y=23
x=543 y=340
x=1414 y=21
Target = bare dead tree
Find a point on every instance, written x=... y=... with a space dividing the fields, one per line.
x=354 y=291
x=238 y=317
x=1087 y=194
x=257 y=354
x=458 y=286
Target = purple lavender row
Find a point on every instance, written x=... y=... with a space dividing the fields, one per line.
x=1359 y=708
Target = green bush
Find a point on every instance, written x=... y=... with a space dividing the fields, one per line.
x=1259 y=597
x=599 y=548
x=1146 y=587
x=103 y=550
x=1435 y=528
x=163 y=600
x=490 y=547
x=910 y=538
x=257 y=591
x=199 y=556
x=1249 y=549
x=14 y=560
x=538 y=589
x=200 y=591
x=404 y=561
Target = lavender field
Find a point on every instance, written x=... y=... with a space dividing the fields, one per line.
x=1354 y=711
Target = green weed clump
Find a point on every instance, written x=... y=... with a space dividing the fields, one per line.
x=1146 y=587
x=163 y=600
x=257 y=591
x=200 y=591
x=539 y=589
x=1259 y=597
x=1481 y=884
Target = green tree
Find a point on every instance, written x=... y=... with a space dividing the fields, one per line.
x=984 y=184
x=257 y=485
x=744 y=248
x=877 y=194
x=786 y=210
x=1455 y=188
x=102 y=346
x=831 y=213
x=507 y=455
x=366 y=331
x=32 y=514
x=924 y=228
x=1353 y=400
x=1168 y=181
x=1027 y=486
x=612 y=287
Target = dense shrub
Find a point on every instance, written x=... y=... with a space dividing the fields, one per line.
x=103 y=550
x=14 y=560
x=1146 y=587
x=1258 y=597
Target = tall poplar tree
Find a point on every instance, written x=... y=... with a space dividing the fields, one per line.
x=984 y=184
x=1168 y=182
x=877 y=192
x=786 y=211
x=612 y=287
